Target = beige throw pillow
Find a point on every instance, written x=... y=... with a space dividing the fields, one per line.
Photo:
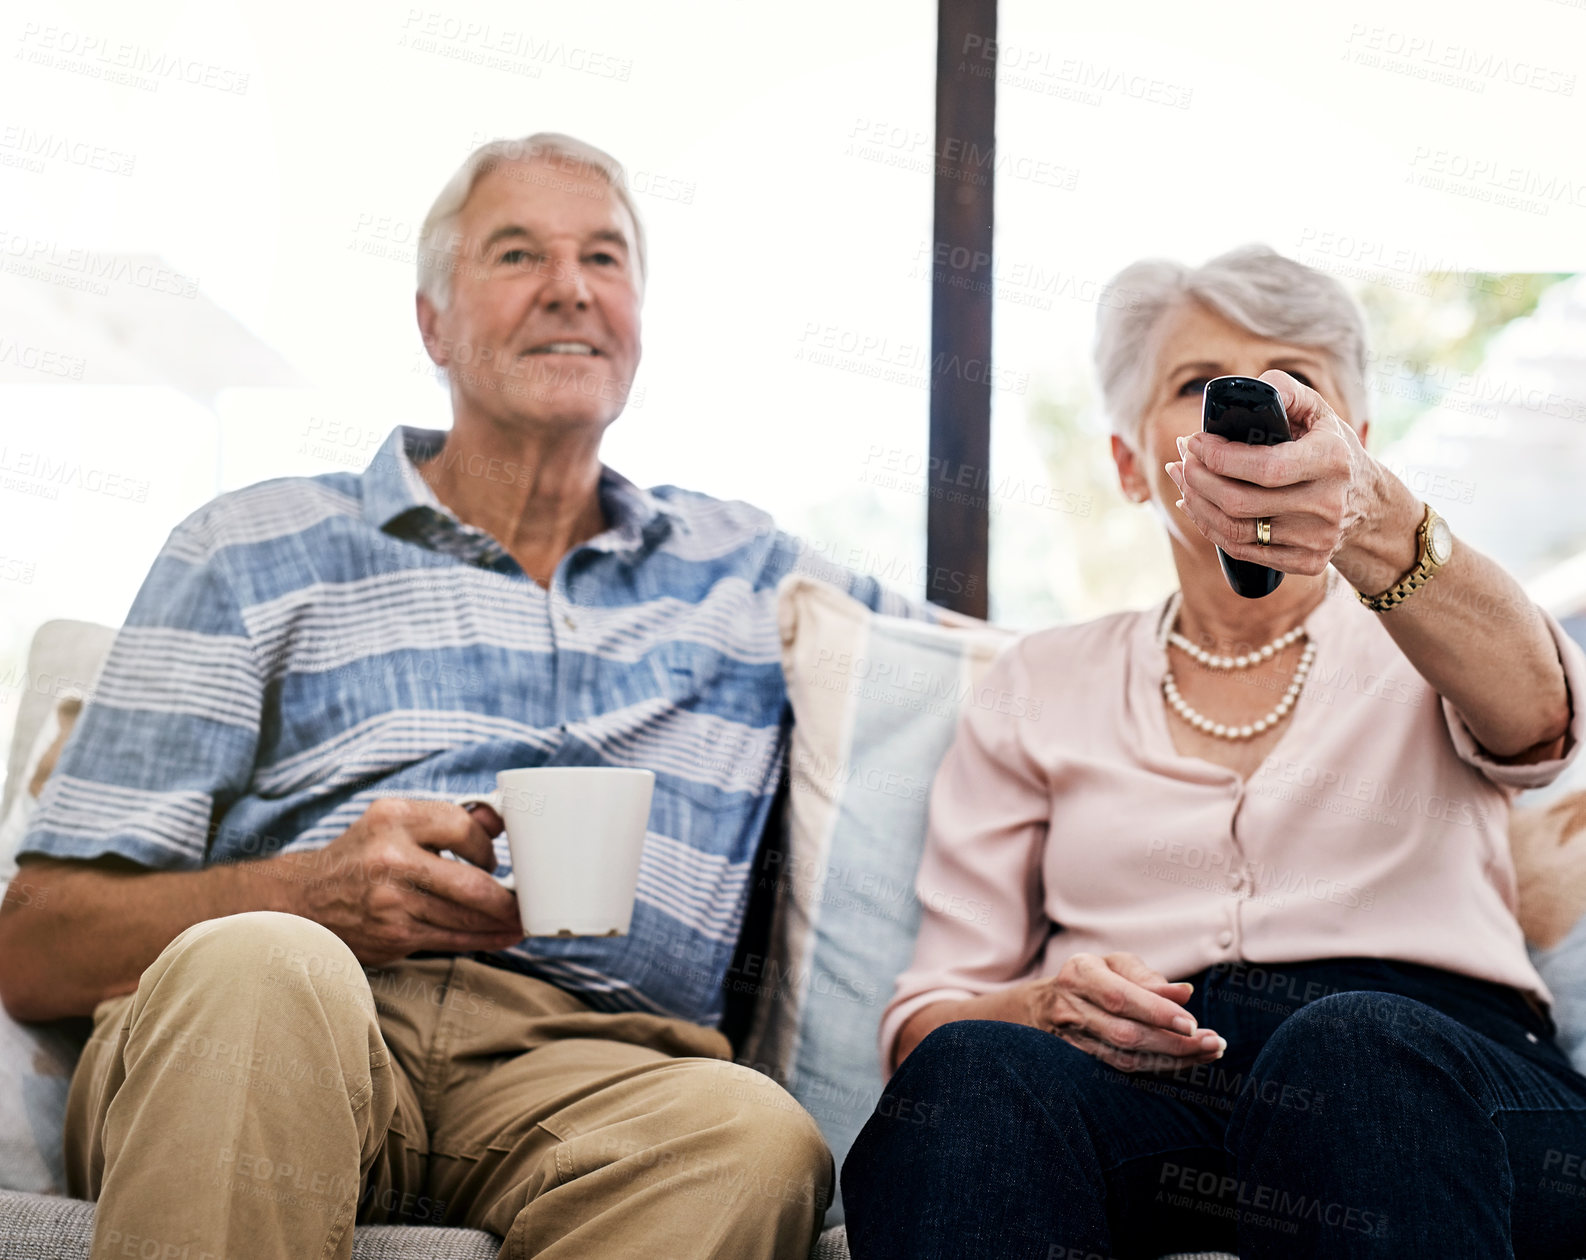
x=1549 y=845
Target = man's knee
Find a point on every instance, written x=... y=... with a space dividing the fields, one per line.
x=266 y=948
x=272 y=1003
x=750 y=1124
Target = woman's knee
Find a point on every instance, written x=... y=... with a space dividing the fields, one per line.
x=1342 y=1065
x=1344 y=1034
x=964 y=1051
x=978 y=1074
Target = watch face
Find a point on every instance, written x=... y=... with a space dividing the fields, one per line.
x=1440 y=541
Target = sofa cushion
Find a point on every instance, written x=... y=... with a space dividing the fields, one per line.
x=831 y=1245
x=63 y=657
x=33 y=1227
x=36 y=1228
x=36 y=1061
x=44 y=753
x=1548 y=837
x=413 y=1242
x=875 y=703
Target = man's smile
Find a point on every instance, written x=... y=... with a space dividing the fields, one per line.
x=564 y=347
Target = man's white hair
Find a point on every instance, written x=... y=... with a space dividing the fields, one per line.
x=1253 y=287
x=437 y=247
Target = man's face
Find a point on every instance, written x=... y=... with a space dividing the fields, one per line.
x=543 y=322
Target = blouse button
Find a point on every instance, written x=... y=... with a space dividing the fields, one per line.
x=1225 y=938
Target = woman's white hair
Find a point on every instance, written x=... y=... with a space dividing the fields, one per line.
x=1255 y=288
x=437 y=247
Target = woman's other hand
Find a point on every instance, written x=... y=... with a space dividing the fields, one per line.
x=1125 y=1014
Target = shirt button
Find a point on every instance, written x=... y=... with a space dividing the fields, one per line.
x=1530 y=1037
x=568 y=622
x=1225 y=938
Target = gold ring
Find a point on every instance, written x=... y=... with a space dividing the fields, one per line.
x=1263 y=531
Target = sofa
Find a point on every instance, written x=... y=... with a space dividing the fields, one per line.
x=831 y=894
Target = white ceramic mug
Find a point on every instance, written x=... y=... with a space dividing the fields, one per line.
x=576 y=834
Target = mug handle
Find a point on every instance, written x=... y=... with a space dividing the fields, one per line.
x=492 y=799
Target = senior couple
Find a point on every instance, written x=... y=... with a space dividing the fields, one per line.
x=236 y=869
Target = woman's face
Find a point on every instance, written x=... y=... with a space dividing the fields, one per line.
x=1196 y=345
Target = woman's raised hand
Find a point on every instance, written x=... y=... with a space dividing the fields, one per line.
x=1127 y=1015
x=1318 y=491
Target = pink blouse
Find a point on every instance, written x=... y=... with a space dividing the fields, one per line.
x=1069 y=823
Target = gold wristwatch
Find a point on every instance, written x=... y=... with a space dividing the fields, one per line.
x=1437 y=545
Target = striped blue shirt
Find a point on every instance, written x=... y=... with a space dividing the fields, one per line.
x=306 y=645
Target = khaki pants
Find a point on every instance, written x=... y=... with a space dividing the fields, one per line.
x=260 y=1092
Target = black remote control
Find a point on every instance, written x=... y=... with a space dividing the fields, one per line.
x=1243 y=409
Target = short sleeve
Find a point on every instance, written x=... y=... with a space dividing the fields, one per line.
x=983 y=921
x=1541 y=773
x=169 y=734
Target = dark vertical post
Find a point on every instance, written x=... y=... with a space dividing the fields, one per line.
x=958 y=485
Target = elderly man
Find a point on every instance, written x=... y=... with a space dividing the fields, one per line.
x=305 y=1015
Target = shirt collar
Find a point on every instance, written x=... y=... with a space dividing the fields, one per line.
x=391 y=483
x=393 y=487
x=635 y=514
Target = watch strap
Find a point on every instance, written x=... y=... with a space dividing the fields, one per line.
x=1412 y=581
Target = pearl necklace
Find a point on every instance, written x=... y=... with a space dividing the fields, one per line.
x=1254 y=657
x=1251 y=729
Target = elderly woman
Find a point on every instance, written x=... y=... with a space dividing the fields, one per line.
x=1246 y=972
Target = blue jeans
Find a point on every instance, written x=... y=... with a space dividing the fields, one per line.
x=1362 y=1108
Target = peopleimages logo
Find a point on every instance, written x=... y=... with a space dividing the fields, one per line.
x=981 y=271
x=1347 y=786
x=772 y=975
x=50 y=476
x=952 y=157
x=1407 y=269
x=117 y=61
x=1430 y=55
x=898 y=362
x=42 y=259
x=36 y=147
x=888 y=679
x=1475 y=392
x=889 y=570
x=896 y=468
x=1030 y=67
x=38 y=359
x=1487 y=177
x=1224 y=872
x=503 y=48
x=1222 y=1194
